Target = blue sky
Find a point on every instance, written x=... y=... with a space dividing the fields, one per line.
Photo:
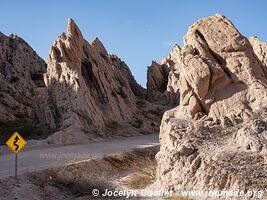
x=138 y=31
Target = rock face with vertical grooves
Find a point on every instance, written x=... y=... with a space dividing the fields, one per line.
x=216 y=137
x=89 y=93
x=21 y=72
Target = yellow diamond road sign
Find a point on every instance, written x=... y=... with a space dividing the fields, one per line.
x=16 y=142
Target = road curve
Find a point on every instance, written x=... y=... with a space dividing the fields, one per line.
x=43 y=158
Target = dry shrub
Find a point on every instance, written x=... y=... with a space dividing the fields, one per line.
x=141 y=165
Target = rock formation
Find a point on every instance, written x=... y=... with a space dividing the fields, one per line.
x=220 y=75
x=157 y=80
x=89 y=93
x=161 y=86
x=21 y=71
x=214 y=139
x=260 y=49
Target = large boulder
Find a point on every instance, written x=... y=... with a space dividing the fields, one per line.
x=220 y=75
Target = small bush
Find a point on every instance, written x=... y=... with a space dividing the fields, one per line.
x=141 y=164
x=142 y=177
x=141 y=103
x=137 y=123
x=113 y=125
x=14 y=79
x=36 y=76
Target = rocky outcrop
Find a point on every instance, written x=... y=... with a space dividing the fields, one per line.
x=157 y=80
x=195 y=155
x=21 y=72
x=260 y=49
x=219 y=72
x=89 y=93
x=213 y=140
x=161 y=80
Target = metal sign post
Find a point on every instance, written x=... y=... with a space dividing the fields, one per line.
x=16 y=166
x=16 y=144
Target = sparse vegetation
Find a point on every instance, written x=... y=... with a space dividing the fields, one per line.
x=113 y=125
x=28 y=130
x=36 y=76
x=70 y=180
x=79 y=183
x=14 y=79
x=138 y=166
x=141 y=103
x=137 y=123
x=141 y=166
x=142 y=178
x=132 y=170
x=157 y=112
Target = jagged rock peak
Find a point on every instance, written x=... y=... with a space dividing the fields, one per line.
x=73 y=29
x=66 y=49
x=89 y=92
x=174 y=54
x=96 y=43
x=157 y=77
x=159 y=89
x=260 y=49
x=162 y=84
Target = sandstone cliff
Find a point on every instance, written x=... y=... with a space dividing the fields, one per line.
x=90 y=93
x=213 y=139
x=21 y=72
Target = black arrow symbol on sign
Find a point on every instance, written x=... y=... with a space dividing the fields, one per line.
x=15 y=143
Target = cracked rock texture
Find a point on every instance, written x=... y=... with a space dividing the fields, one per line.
x=219 y=75
x=21 y=72
x=216 y=136
x=260 y=49
x=90 y=93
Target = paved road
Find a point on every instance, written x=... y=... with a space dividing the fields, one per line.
x=38 y=159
